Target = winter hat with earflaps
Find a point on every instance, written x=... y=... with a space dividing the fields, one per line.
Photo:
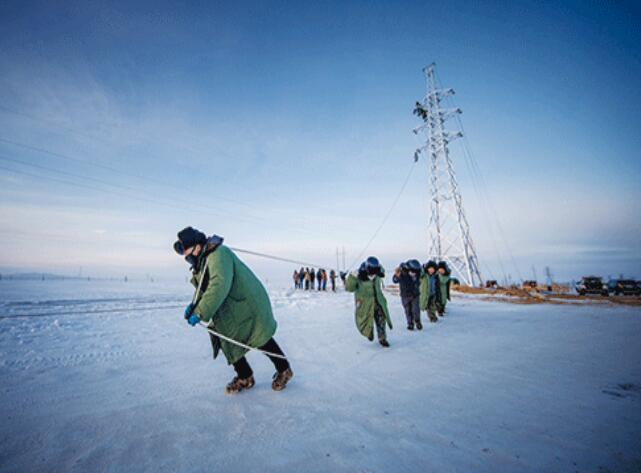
x=372 y=265
x=430 y=264
x=188 y=237
x=413 y=265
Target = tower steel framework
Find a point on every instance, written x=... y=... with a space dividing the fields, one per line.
x=449 y=231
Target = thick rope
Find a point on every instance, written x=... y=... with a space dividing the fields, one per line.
x=236 y=342
x=384 y=221
x=275 y=258
x=230 y=340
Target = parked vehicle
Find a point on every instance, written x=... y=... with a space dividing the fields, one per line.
x=625 y=287
x=591 y=285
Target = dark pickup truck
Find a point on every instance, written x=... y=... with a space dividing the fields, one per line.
x=625 y=287
x=591 y=285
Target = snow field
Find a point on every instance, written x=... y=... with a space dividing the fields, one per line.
x=492 y=387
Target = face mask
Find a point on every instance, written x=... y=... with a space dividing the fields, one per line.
x=192 y=260
x=371 y=277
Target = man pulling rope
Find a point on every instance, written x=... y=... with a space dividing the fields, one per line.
x=234 y=305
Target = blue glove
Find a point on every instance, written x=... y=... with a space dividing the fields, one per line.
x=189 y=310
x=193 y=320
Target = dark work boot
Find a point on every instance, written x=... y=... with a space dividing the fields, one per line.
x=410 y=326
x=281 y=379
x=384 y=342
x=419 y=325
x=237 y=385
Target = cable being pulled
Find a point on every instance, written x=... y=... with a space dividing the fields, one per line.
x=236 y=342
x=224 y=337
x=384 y=221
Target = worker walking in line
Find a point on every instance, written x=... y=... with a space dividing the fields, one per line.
x=429 y=290
x=407 y=276
x=444 y=287
x=371 y=305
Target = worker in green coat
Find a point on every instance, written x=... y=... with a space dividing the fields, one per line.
x=232 y=301
x=429 y=291
x=444 y=287
x=371 y=305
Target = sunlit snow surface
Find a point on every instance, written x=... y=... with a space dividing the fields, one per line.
x=106 y=379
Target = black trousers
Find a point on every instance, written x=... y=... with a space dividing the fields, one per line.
x=243 y=370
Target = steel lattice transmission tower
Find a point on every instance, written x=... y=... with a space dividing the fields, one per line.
x=449 y=232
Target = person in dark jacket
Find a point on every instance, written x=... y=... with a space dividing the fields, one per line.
x=430 y=291
x=312 y=278
x=232 y=301
x=319 y=278
x=301 y=277
x=332 y=278
x=307 y=278
x=407 y=276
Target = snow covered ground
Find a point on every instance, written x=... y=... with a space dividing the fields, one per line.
x=493 y=387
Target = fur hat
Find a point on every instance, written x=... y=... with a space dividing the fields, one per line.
x=188 y=237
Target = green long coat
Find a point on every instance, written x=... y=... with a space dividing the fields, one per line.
x=424 y=292
x=235 y=303
x=444 y=286
x=366 y=295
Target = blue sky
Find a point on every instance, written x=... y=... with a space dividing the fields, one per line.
x=287 y=129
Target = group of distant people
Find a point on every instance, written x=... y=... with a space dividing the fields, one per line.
x=309 y=279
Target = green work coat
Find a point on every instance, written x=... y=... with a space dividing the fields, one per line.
x=367 y=294
x=234 y=302
x=444 y=287
x=425 y=298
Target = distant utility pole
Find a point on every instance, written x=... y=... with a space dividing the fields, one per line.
x=338 y=266
x=449 y=232
x=344 y=259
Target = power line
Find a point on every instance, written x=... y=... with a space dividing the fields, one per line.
x=276 y=258
x=384 y=221
x=92 y=311
x=136 y=176
x=482 y=193
x=119 y=171
x=246 y=218
x=93 y=188
x=239 y=250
